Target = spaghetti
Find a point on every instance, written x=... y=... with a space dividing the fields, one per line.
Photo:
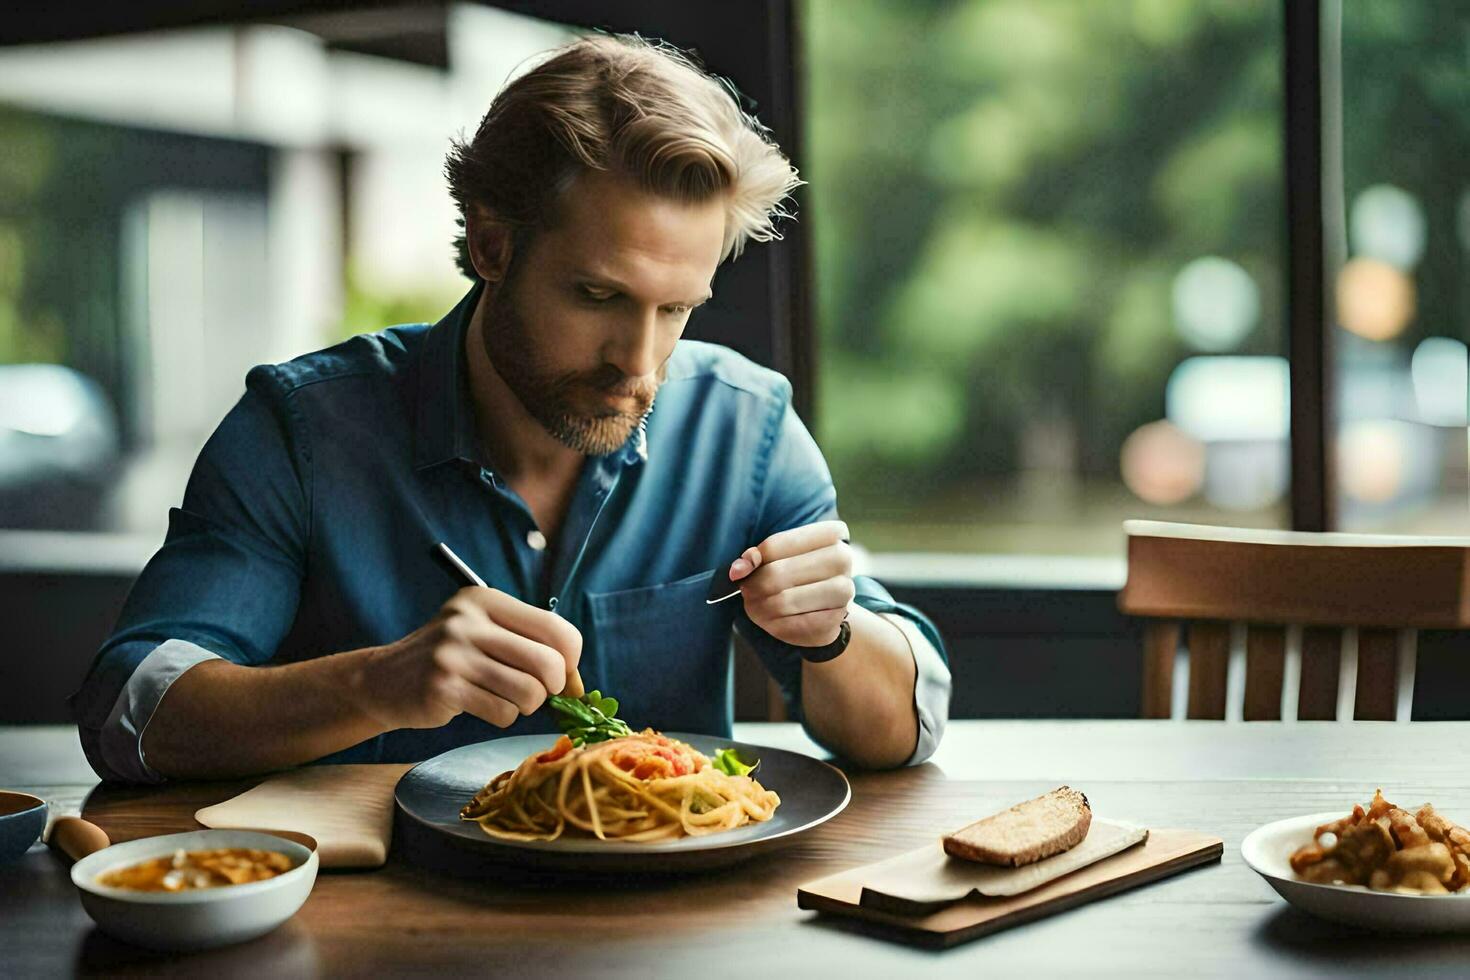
x=641 y=787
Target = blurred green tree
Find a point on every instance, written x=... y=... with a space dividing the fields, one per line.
x=1003 y=192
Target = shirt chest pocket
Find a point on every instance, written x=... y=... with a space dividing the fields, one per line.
x=664 y=653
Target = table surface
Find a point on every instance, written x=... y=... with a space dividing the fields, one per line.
x=1211 y=776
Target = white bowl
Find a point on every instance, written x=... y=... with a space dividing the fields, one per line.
x=199 y=918
x=1267 y=850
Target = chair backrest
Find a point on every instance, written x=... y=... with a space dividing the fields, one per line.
x=1284 y=624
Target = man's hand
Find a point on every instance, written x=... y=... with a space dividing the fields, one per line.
x=797 y=584
x=485 y=652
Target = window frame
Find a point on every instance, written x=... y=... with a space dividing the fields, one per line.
x=1309 y=355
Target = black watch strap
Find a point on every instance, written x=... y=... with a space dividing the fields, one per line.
x=831 y=651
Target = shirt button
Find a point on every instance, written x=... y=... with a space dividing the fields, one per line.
x=536 y=540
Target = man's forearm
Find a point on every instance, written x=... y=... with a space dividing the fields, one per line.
x=861 y=704
x=220 y=720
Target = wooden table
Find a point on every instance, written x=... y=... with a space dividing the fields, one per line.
x=1218 y=920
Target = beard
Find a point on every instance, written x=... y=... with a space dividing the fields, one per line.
x=551 y=396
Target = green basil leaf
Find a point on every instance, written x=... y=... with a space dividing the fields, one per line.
x=729 y=763
x=576 y=709
x=590 y=718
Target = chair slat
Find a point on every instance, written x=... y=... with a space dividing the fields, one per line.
x=1160 y=645
x=1321 y=656
x=1265 y=667
x=1377 y=695
x=1209 y=654
x=1347 y=676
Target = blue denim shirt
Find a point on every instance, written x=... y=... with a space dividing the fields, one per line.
x=309 y=524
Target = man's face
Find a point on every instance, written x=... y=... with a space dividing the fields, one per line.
x=583 y=328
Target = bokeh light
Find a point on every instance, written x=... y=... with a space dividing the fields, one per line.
x=1216 y=304
x=1219 y=398
x=1372 y=460
x=1441 y=372
x=1374 y=299
x=1248 y=474
x=1387 y=223
x=43 y=399
x=1161 y=464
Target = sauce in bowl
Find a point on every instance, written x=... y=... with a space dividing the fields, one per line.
x=185 y=870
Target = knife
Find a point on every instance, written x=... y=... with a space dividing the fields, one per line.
x=722 y=587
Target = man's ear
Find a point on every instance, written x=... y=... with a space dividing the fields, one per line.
x=490 y=243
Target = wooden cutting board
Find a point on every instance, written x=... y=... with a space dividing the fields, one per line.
x=927 y=879
x=348 y=809
x=1166 y=852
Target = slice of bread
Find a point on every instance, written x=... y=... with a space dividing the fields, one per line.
x=1025 y=833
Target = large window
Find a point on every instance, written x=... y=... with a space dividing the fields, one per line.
x=1050 y=272
x=1049 y=267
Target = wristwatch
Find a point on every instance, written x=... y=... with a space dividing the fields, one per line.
x=826 y=652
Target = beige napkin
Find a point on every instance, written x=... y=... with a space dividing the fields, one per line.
x=921 y=881
x=348 y=809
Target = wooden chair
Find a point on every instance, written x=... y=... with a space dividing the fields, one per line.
x=1287 y=625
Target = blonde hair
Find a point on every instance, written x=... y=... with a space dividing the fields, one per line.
x=622 y=104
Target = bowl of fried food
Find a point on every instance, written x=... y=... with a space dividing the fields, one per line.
x=1384 y=867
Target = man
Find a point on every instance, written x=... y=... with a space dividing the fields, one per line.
x=299 y=610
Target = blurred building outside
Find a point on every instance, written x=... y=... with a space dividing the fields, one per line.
x=277 y=195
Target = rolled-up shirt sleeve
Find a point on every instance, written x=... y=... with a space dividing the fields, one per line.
x=797 y=490
x=115 y=750
x=225 y=584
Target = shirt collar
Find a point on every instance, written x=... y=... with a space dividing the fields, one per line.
x=444 y=425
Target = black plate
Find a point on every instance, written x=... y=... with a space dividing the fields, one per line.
x=430 y=795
